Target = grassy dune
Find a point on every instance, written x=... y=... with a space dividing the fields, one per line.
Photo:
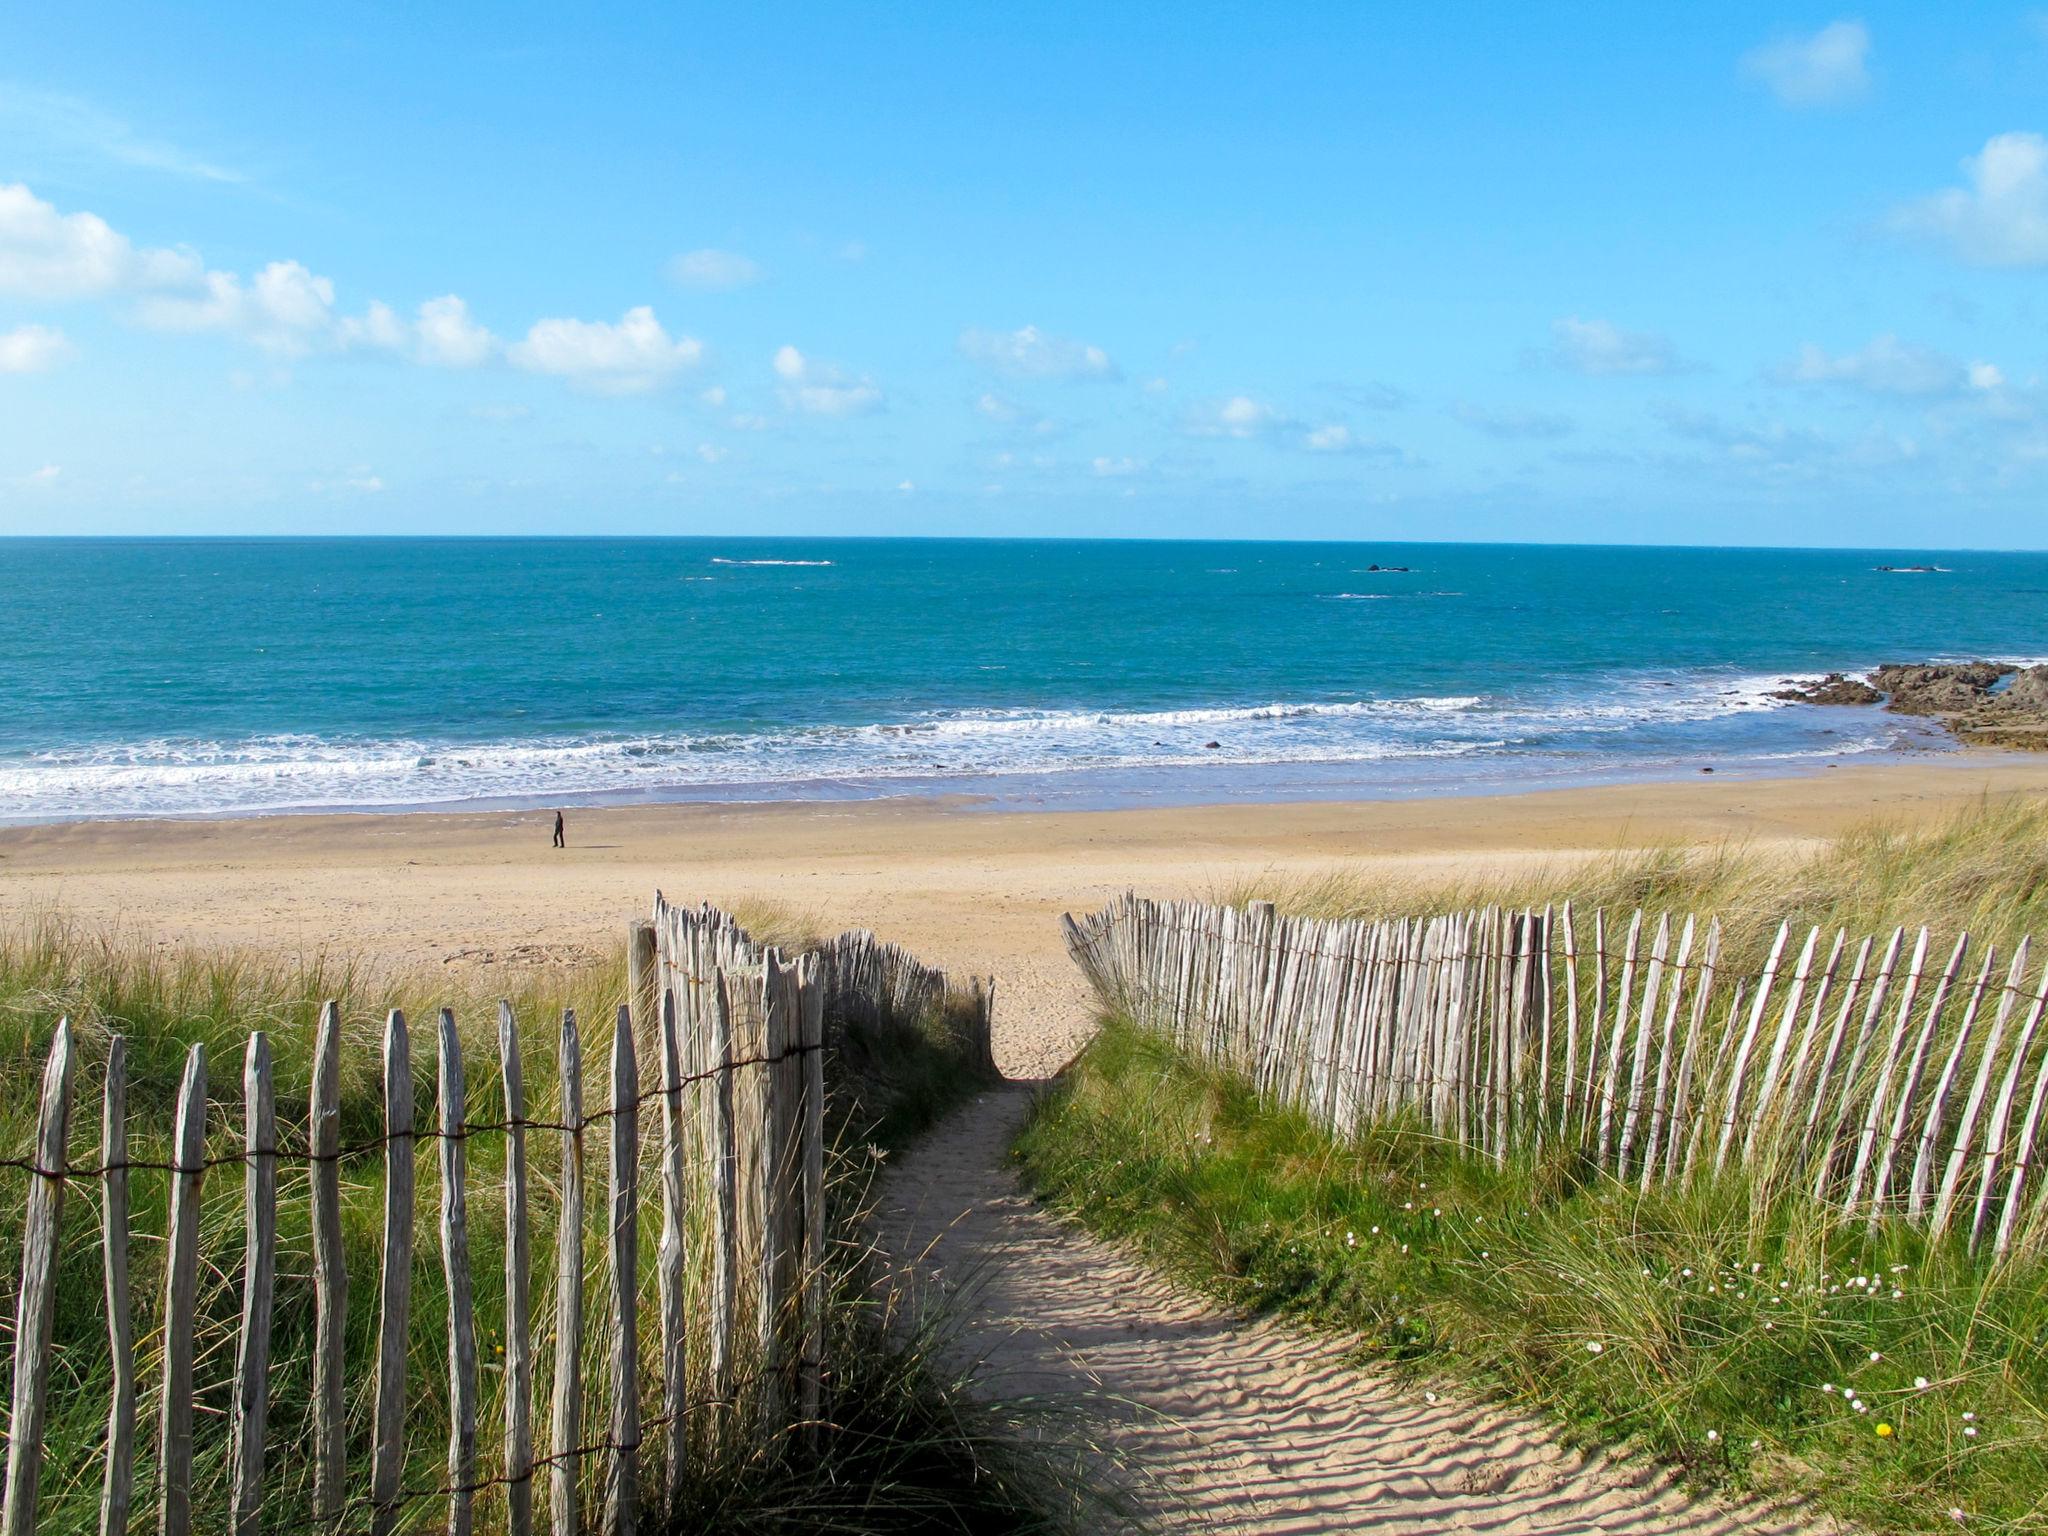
x=1983 y=871
x=903 y=1452
x=1729 y=1326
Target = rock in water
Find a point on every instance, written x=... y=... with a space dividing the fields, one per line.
x=1835 y=688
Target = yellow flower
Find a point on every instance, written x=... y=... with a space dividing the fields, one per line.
x=1884 y=1431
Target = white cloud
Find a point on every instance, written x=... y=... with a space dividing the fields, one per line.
x=1602 y=349
x=2000 y=217
x=631 y=357
x=996 y=408
x=1884 y=366
x=49 y=255
x=713 y=397
x=906 y=486
x=49 y=474
x=1986 y=376
x=357 y=482
x=820 y=389
x=1029 y=353
x=1334 y=438
x=1823 y=70
x=710 y=453
x=285 y=308
x=32 y=349
x=449 y=338
x=713 y=270
x=1111 y=469
x=1240 y=417
x=1511 y=423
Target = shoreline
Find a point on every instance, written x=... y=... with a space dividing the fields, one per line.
x=1185 y=784
x=973 y=892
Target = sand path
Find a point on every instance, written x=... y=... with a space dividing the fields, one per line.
x=1217 y=1424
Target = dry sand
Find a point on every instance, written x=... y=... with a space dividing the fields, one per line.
x=1228 y=1425
x=969 y=889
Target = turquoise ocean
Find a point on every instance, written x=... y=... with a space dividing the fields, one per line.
x=151 y=677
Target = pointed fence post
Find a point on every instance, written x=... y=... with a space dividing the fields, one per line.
x=567 y=1418
x=330 y=1278
x=117 y=1493
x=518 y=1281
x=36 y=1309
x=455 y=1274
x=181 y=1286
x=251 y=1405
x=622 y=1507
x=395 y=1282
x=669 y=1266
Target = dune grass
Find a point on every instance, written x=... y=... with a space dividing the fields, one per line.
x=1731 y=1338
x=1733 y=1326
x=904 y=1451
x=1983 y=869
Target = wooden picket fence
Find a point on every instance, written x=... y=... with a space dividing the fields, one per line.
x=732 y=1037
x=1856 y=1071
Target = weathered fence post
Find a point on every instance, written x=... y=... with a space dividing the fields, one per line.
x=118 y=1490
x=455 y=1274
x=567 y=1417
x=518 y=1298
x=181 y=1285
x=37 y=1308
x=330 y=1276
x=395 y=1282
x=251 y=1405
x=622 y=1504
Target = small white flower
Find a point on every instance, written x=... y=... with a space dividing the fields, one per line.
x=1827 y=1386
x=1375 y=1231
x=1594 y=1346
x=1970 y=1431
x=1713 y=1434
x=1875 y=1357
x=1969 y=1418
x=1756 y=1445
x=1920 y=1383
x=1861 y=1406
x=1687 y=1272
x=1429 y=1397
x=1956 y=1515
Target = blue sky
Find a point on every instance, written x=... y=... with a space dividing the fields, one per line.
x=1748 y=274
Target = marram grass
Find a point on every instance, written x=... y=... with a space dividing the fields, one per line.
x=906 y=1449
x=1981 y=870
x=1764 y=1346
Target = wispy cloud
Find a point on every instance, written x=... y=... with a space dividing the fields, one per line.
x=822 y=389
x=73 y=125
x=1823 y=69
x=1240 y=416
x=1029 y=353
x=1601 y=349
x=32 y=349
x=1883 y=366
x=710 y=270
x=1495 y=422
x=1999 y=216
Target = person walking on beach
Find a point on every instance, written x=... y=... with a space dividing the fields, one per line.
x=560 y=840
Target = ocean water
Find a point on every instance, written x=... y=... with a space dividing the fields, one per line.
x=143 y=677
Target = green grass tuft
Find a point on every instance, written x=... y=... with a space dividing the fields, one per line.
x=1702 y=1326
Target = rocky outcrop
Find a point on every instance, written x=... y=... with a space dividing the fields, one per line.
x=2015 y=717
x=1936 y=688
x=1958 y=694
x=1835 y=688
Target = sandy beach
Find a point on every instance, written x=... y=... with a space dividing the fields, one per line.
x=967 y=888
